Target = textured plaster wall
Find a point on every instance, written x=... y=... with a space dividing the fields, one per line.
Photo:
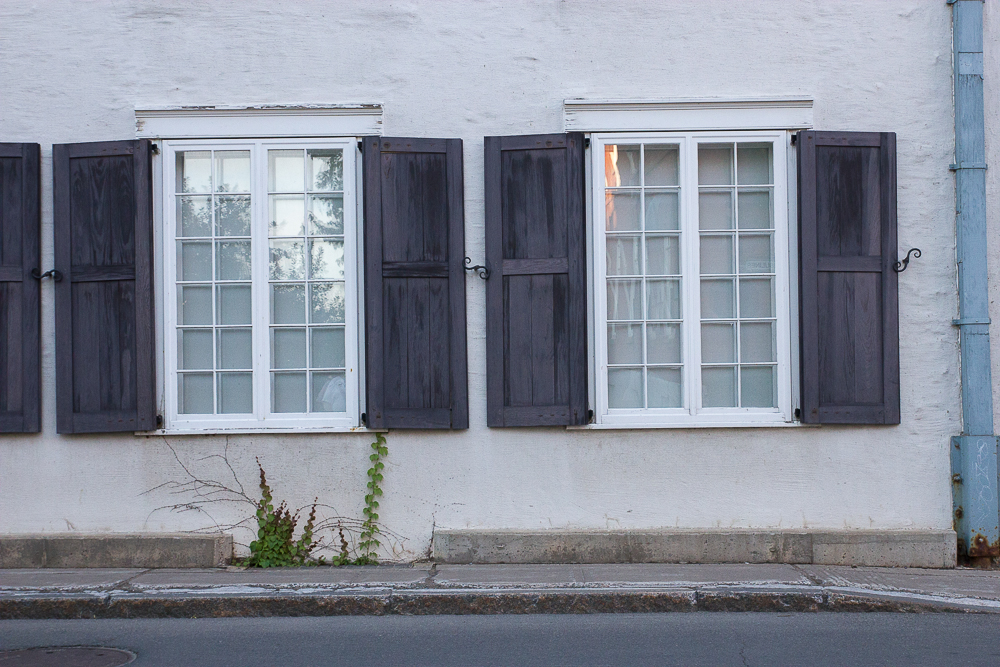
x=75 y=71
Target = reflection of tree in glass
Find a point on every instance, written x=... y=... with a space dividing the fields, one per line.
x=232 y=215
x=330 y=175
x=196 y=216
x=286 y=261
x=319 y=262
x=328 y=302
x=331 y=215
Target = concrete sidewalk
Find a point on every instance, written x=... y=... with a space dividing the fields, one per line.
x=489 y=589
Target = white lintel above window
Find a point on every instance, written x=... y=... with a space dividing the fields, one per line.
x=260 y=121
x=688 y=114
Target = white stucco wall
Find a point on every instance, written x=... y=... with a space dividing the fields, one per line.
x=75 y=71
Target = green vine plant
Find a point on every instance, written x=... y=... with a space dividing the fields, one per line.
x=276 y=545
x=370 y=543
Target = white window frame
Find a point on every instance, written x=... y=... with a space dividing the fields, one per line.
x=262 y=420
x=692 y=414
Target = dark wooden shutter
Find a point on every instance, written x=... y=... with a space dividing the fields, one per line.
x=105 y=369
x=536 y=296
x=20 y=374
x=415 y=283
x=848 y=296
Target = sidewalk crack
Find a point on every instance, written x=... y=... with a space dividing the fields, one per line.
x=813 y=579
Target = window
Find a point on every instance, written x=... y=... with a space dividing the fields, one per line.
x=691 y=278
x=261 y=283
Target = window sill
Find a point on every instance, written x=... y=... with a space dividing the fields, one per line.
x=253 y=431
x=690 y=425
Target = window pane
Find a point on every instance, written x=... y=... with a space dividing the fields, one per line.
x=623 y=256
x=621 y=166
x=194 y=216
x=663 y=343
x=755 y=254
x=232 y=216
x=756 y=297
x=195 y=349
x=288 y=348
x=625 y=388
x=194 y=171
x=663 y=299
x=757 y=342
x=329 y=392
x=288 y=392
x=235 y=349
x=624 y=343
x=622 y=211
x=232 y=171
x=624 y=299
x=233 y=305
x=661 y=165
x=326 y=259
x=753 y=164
x=194 y=394
x=717 y=299
x=757 y=387
x=287 y=215
x=326 y=169
x=715 y=210
x=288 y=304
x=194 y=304
x=327 y=347
x=326 y=303
x=285 y=170
x=718 y=343
x=233 y=260
x=661 y=211
x=715 y=164
x=755 y=209
x=662 y=255
x=664 y=387
x=718 y=387
x=288 y=261
x=326 y=215
x=235 y=393
x=717 y=254
x=194 y=261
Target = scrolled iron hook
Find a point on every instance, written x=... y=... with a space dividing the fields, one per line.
x=901 y=266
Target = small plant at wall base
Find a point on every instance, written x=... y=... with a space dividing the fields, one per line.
x=276 y=545
x=370 y=543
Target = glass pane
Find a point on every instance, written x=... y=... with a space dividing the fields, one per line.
x=194 y=261
x=715 y=210
x=662 y=255
x=757 y=342
x=288 y=304
x=754 y=209
x=625 y=388
x=235 y=393
x=194 y=394
x=288 y=348
x=235 y=349
x=663 y=343
x=288 y=261
x=287 y=215
x=194 y=172
x=718 y=387
x=233 y=305
x=622 y=211
x=326 y=169
x=717 y=254
x=756 y=298
x=621 y=166
x=232 y=216
x=195 y=349
x=233 y=261
x=326 y=215
x=717 y=299
x=327 y=303
x=624 y=299
x=661 y=210
x=232 y=171
x=194 y=304
x=664 y=388
x=755 y=254
x=285 y=171
x=661 y=165
x=757 y=387
x=326 y=259
x=329 y=392
x=327 y=347
x=624 y=343
x=715 y=164
x=288 y=392
x=194 y=216
x=623 y=256
x=718 y=343
x=663 y=299
x=753 y=164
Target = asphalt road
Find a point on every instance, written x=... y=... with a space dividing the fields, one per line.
x=550 y=640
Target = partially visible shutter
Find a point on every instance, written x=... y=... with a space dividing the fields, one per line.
x=415 y=283
x=20 y=374
x=536 y=296
x=103 y=218
x=848 y=295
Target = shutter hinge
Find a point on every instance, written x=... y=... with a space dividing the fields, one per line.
x=159 y=421
x=154 y=149
x=795 y=138
x=364 y=419
x=798 y=413
x=586 y=142
x=360 y=145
